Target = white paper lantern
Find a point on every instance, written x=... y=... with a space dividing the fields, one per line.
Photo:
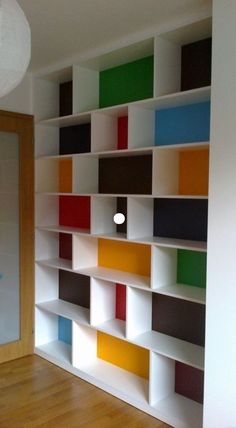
x=15 y=45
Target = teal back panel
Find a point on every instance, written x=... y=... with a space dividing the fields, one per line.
x=64 y=330
x=126 y=83
x=184 y=124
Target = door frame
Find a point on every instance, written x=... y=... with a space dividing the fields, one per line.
x=23 y=126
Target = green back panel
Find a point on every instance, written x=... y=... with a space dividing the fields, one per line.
x=191 y=268
x=126 y=83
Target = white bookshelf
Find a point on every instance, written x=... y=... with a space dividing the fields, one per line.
x=156 y=394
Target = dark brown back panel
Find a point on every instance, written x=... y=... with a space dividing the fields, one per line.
x=126 y=175
x=121 y=207
x=75 y=139
x=189 y=382
x=181 y=218
x=179 y=318
x=196 y=65
x=65 y=99
x=74 y=288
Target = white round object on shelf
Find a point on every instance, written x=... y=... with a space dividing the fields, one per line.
x=15 y=45
x=119 y=218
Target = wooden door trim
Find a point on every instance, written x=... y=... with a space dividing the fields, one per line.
x=23 y=125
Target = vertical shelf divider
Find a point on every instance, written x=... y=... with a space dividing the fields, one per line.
x=85 y=89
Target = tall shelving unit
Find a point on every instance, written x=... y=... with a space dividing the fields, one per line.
x=135 y=290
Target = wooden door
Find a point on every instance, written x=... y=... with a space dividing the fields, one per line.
x=16 y=235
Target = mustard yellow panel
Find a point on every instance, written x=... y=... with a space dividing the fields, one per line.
x=65 y=175
x=193 y=172
x=122 y=354
x=125 y=256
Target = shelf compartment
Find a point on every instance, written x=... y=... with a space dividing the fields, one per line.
x=85 y=174
x=115 y=362
x=178 y=318
x=66 y=310
x=127 y=257
x=139 y=312
x=103 y=210
x=66 y=98
x=181 y=218
x=56 y=263
x=141 y=130
x=108 y=307
x=47 y=245
x=183 y=124
x=140 y=218
x=134 y=81
x=53 y=332
x=75 y=139
x=189 y=382
x=171 y=347
x=179 y=273
x=127 y=175
x=55 y=351
x=176 y=67
x=65 y=246
x=85 y=358
x=165 y=380
x=117 y=276
x=196 y=64
x=74 y=288
x=180 y=171
x=46 y=210
x=109 y=130
x=119 y=261
x=74 y=211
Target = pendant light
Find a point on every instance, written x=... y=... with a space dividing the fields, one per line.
x=15 y=45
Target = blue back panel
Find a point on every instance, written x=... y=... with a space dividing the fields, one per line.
x=185 y=124
x=65 y=330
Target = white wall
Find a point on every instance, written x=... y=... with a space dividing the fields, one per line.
x=20 y=99
x=220 y=378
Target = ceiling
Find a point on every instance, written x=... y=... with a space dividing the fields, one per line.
x=62 y=29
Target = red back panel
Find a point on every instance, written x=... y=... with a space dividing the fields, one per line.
x=65 y=246
x=122 y=133
x=189 y=382
x=74 y=211
x=120 y=302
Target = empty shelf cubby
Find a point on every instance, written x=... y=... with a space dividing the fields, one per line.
x=181 y=218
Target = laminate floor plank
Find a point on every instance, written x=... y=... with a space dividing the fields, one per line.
x=36 y=394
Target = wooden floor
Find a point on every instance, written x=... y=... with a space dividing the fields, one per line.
x=35 y=393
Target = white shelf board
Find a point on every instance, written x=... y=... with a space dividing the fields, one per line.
x=71 y=120
x=55 y=157
x=113 y=327
x=85 y=117
x=114 y=236
x=124 y=195
x=185 y=292
x=180 y=196
x=185 y=146
x=165 y=101
x=116 y=276
x=119 y=379
x=182 y=244
x=56 y=264
x=182 y=412
x=177 y=99
x=176 y=349
x=67 y=310
x=64 y=229
x=101 y=195
x=57 y=350
x=131 y=152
